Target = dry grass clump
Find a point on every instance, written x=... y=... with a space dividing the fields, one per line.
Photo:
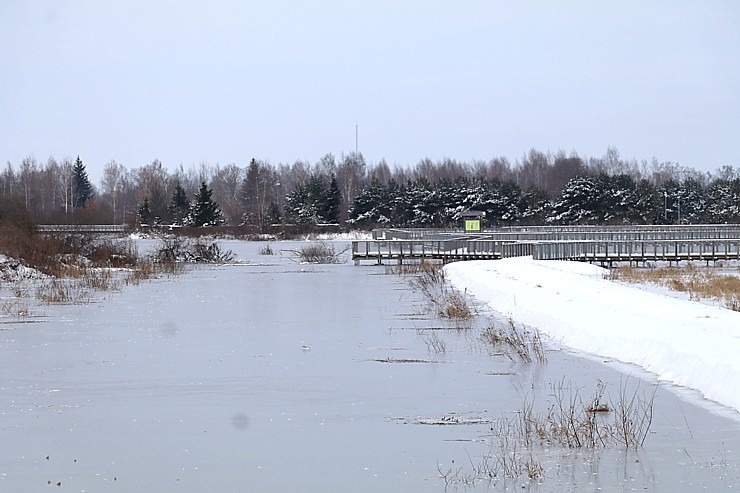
x=266 y=250
x=79 y=283
x=149 y=269
x=66 y=255
x=454 y=307
x=100 y=280
x=699 y=283
x=515 y=341
x=426 y=276
x=320 y=252
x=79 y=286
x=57 y=290
x=433 y=342
x=570 y=422
x=14 y=308
x=179 y=249
x=574 y=422
x=70 y=268
x=121 y=253
x=423 y=266
x=429 y=278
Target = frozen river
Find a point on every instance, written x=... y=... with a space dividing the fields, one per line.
x=268 y=375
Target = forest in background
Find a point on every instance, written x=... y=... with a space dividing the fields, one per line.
x=538 y=188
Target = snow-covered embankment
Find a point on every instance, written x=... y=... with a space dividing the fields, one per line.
x=686 y=343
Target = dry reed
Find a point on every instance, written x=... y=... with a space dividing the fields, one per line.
x=699 y=283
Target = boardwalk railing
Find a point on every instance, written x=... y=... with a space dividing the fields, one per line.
x=574 y=233
x=81 y=228
x=639 y=251
x=454 y=249
x=592 y=244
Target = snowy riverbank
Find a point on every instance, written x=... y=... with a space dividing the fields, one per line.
x=685 y=343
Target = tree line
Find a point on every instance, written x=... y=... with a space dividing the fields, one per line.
x=538 y=188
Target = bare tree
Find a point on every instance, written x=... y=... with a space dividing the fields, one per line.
x=326 y=165
x=381 y=172
x=226 y=183
x=663 y=172
x=398 y=173
x=66 y=185
x=152 y=184
x=291 y=176
x=496 y=169
x=532 y=170
x=612 y=163
x=203 y=173
x=563 y=169
x=350 y=174
x=7 y=180
x=28 y=172
x=112 y=184
x=450 y=169
x=50 y=191
x=727 y=173
x=128 y=203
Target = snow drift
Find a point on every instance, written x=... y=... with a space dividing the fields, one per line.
x=685 y=343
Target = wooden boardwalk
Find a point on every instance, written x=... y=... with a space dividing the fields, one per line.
x=445 y=250
x=636 y=251
x=82 y=228
x=605 y=246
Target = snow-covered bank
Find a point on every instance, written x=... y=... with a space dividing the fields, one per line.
x=12 y=270
x=686 y=343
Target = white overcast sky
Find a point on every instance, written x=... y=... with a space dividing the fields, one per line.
x=223 y=81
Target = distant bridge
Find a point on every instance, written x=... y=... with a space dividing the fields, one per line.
x=605 y=245
x=82 y=228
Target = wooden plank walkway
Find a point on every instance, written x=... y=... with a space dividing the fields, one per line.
x=81 y=228
x=608 y=252
x=445 y=250
x=625 y=246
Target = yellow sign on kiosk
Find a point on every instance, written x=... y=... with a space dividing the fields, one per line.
x=472 y=225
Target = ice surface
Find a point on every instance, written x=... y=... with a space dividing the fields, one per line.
x=203 y=382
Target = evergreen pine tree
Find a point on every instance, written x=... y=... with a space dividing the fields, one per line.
x=366 y=208
x=308 y=203
x=250 y=194
x=333 y=201
x=144 y=213
x=82 y=188
x=316 y=205
x=273 y=214
x=179 y=206
x=580 y=202
x=535 y=207
x=296 y=205
x=205 y=212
